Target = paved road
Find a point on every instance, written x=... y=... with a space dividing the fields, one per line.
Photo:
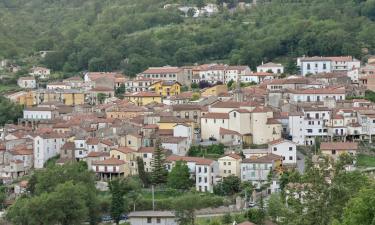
x=300 y=162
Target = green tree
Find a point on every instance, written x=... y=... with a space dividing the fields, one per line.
x=256 y=215
x=276 y=208
x=227 y=218
x=194 y=86
x=190 y=12
x=9 y=111
x=120 y=91
x=179 y=177
x=101 y=98
x=145 y=177
x=159 y=173
x=360 y=209
x=118 y=202
x=229 y=186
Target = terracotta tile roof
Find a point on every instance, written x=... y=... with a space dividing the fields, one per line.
x=98 y=154
x=162 y=70
x=22 y=152
x=319 y=91
x=264 y=159
x=339 y=146
x=110 y=161
x=278 y=141
x=68 y=146
x=216 y=115
x=241 y=110
x=261 y=109
x=228 y=104
x=337 y=117
x=92 y=141
x=183 y=95
x=197 y=160
x=143 y=94
x=97 y=75
x=234 y=156
x=107 y=142
x=146 y=149
x=272 y=121
x=224 y=131
x=151 y=126
x=125 y=150
x=183 y=107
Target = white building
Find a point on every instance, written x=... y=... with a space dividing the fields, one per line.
x=152 y=218
x=178 y=145
x=46 y=146
x=314 y=65
x=211 y=124
x=234 y=72
x=317 y=94
x=26 y=82
x=271 y=67
x=257 y=170
x=203 y=170
x=140 y=84
x=284 y=148
x=39 y=113
x=41 y=72
x=257 y=77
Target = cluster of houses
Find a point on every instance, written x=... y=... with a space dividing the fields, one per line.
x=260 y=126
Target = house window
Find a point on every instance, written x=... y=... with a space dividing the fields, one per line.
x=149 y=220
x=144 y=155
x=229 y=171
x=205 y=169
x=225 y=171
x=229 y=163
x=158 y=220
x=308 y=66
x=333 y=152
x=205 y=180
x=309 y=131
x=290 y=148
x=234 y=114
x=225 y=163
x=290 y=157
x=274 y=149
x=129 y=142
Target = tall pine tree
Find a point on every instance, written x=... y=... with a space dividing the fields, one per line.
x=118 y=203
x=145 y=177
x=159 y=172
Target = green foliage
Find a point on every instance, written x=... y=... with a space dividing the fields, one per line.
x=120 y=91
x=229 y=186
x=65 y=205
x=186 y=205
x=46 y=184
x=179 y=177
x=360 y=209
x=227 y=218
x=101 y=98
x=9 y=111
x=117 y=202
x=159 y=173
x=256 y=216
x=200 y=151
x=276 y=207
x=365 y=160
x=194 y=86
x=145 y=177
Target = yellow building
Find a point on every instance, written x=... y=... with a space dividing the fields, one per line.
x=215 y=90
x=335 y=149
x=143 y=98
x=166 y=88
x=129 y=156
x=73 y=98
x=128 y=111
x=230 y=165
x=27 y=99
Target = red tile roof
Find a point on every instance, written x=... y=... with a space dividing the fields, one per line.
x=98 y=154
x=162 y=70
x=264 y=159
x=125 y=150
x=216 y=115
x=110 y=161
x=197 y=160
x=339 y=146
x=143 y=94
x=224 y=131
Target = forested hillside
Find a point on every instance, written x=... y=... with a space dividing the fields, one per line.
x=131 y=35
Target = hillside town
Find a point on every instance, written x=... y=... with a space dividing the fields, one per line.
x=220 y=120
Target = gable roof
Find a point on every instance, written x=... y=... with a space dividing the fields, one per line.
x=339 y=146
x=197 y=160
x=264 y=159
x=110 y=161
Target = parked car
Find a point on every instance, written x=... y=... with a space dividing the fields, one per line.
x=252 y=204
x=106 y=218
